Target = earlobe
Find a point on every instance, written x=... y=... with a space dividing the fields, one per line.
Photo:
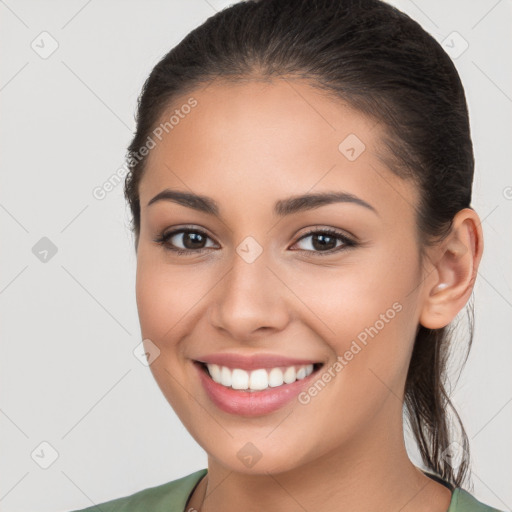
x=455 y=265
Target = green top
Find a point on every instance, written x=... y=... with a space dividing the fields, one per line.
x=173 y=496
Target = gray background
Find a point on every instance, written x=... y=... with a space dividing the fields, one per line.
x=69 y=325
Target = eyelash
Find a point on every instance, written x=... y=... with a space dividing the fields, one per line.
x=348 y=243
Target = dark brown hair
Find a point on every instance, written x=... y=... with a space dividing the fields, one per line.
x=378 y=60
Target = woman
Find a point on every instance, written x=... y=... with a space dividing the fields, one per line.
x=300 y=186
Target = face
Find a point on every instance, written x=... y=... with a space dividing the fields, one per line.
x=270 y=284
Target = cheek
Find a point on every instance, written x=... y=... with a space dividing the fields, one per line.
x=366 y=311
x=365 y=289
x=166 y=295
x=368 y=321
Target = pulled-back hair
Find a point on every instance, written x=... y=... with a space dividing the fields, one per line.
x=381 y=62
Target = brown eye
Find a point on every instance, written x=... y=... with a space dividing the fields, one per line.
x=183 y=241
x=191 y=239
x=326 y=242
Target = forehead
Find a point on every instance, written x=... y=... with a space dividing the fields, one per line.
x=275 y=138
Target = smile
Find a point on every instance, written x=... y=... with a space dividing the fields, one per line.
x=259 y=379
x=254 y=391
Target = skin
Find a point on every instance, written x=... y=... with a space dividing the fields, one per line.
x=247 y=145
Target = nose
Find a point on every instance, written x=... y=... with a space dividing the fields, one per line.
x=250 y=300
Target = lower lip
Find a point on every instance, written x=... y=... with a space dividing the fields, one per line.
x=247 y=403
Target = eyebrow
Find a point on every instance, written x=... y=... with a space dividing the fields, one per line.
x=282 y=207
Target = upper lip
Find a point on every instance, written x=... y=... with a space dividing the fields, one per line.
x=254 y=361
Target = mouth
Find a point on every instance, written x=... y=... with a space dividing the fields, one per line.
x=256 y=384
x=258 y=379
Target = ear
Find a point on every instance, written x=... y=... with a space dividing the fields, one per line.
x=453 y=270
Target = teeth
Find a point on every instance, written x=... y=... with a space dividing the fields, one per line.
x=275 y=378
x=257 y=380
x=215 y=372
x=239 y=379
x=225 y=376
x=301 y=373
x=289 y=375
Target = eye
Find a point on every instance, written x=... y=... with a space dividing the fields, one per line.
x=325 y=241
x=193 y=241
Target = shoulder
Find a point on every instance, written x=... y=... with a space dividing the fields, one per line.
x=463 y=501
x=168 y=497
